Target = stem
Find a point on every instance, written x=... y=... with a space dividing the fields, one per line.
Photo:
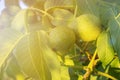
x=26 y=21
x=96 y=61
x=75 y=56
x=79 y=47
x=87 y=74
x=91 y=64
x=117 y=16
x=75 y=12
x=76 y=8
x=34 y=9
x=106 y=75
x=75 y=67
x=85 y=46
x=41 y=11
x=88 y=55
x=90 y=67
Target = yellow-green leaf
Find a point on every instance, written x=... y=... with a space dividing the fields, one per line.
x=13 y=69
x=68 y=61
x=50 y=57
x=8 y=40
x=115 y=63
x=18 y=22
x=30 y=57
x=36 y=58
x=80 y=77
x=50 y=4
x=46 y=22
x=62 y=16
x=64 y=73
x=104 y=48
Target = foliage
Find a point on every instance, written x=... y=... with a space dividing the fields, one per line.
x=25 y=40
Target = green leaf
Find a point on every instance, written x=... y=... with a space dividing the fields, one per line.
x=8 y=40
x=73 y=74
x=87 y=6
x=114 y=25
x=50 y=4
x=104 y=48
x=115 y=2
x=35 y=57
x=115 y=72
x=106 y=11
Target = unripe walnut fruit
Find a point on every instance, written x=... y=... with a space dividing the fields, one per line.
x=88 y=27
x=61 y=38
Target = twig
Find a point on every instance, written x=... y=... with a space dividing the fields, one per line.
x=88 y=55
x=90 y=67
x=85 y=46
x=75 y=12
x=75 y=56
x=106 y=75
x=91 y=64
x=87 y=74
x=26 y=21
x=75 y=67
x=42 y=11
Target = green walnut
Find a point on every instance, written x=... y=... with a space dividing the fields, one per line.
x=61 y=38
x=88 y=27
